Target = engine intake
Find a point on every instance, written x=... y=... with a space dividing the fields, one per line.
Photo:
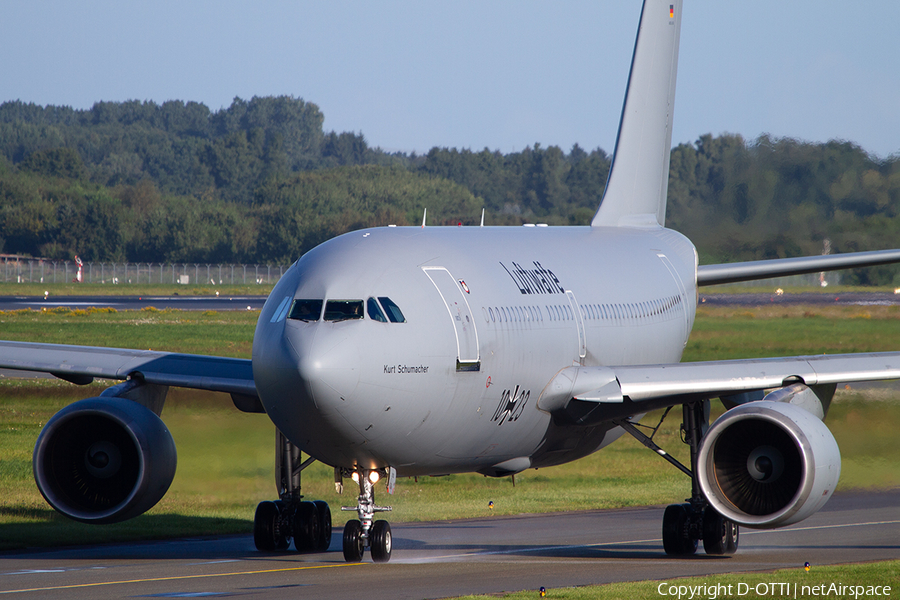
x=768 y=464
x=104 y=460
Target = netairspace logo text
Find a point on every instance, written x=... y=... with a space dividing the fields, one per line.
x=770 y=590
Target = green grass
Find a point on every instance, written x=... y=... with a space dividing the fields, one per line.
x=226 y=457
x=722 y=333
x=221 y=333
x=782 y=583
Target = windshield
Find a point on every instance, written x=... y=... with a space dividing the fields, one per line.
x=342 y=310
x=306 y=310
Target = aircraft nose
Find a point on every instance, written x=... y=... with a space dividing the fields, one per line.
x=327 y=360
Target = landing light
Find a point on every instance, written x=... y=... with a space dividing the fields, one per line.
x=373 y=476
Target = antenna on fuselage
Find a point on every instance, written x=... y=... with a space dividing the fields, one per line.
x=482 y=217
x=424 y=212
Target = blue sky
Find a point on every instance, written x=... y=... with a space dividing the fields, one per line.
x=501 y=74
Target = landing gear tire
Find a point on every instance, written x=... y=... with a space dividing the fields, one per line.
x=381 y=541
x=267 y=531
x=720 y=536
x=306 y=527
x=324 y=514
x=676 y=535
x=354 y=544
x=732 y=533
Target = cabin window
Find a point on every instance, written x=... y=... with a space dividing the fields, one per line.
x=343 y=310
x=375 y=312
x=394 y=314
x=305 y=310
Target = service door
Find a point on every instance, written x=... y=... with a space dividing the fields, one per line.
x=463 y=322
x=579 y=323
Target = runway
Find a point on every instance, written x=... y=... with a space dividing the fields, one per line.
x=446 y=559
x=134 y=302
x=755 y=298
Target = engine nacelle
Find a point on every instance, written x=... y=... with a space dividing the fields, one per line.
x=104 y=460
x=768 y=464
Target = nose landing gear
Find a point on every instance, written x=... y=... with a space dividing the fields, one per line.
x=365 y=532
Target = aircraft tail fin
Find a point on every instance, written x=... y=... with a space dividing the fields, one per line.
x=636 y=190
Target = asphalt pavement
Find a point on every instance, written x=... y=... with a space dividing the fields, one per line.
x=447 y=559
x=134 y=302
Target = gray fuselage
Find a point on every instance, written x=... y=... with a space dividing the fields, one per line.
x=491 y=315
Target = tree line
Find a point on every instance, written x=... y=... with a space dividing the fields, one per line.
x=261 y=181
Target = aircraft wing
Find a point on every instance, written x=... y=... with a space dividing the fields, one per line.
x=763 y=269
x=81 y=364
x=588 y=395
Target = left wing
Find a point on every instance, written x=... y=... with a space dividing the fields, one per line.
x=81 y=364
x=588 y=395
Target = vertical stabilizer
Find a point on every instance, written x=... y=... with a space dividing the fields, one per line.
x=639 y=177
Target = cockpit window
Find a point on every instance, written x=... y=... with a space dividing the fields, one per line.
x=392 y=310
x=306 y=310
x=343 y=310
x=375 y=312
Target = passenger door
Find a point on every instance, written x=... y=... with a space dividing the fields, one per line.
x=468 y=358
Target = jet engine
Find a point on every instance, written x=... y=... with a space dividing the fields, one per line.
x=104 y=460
x=768 y=464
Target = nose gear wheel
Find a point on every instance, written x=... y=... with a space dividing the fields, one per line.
x=365 y=532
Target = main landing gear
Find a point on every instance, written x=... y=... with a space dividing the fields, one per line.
x=684 y=525
x=365 y=532
x=277 y=523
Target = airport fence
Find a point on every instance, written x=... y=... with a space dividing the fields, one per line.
x=27 y=270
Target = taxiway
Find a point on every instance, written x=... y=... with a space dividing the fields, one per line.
x=445 y=559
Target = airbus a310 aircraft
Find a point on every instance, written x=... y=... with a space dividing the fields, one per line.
x=402 y=351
